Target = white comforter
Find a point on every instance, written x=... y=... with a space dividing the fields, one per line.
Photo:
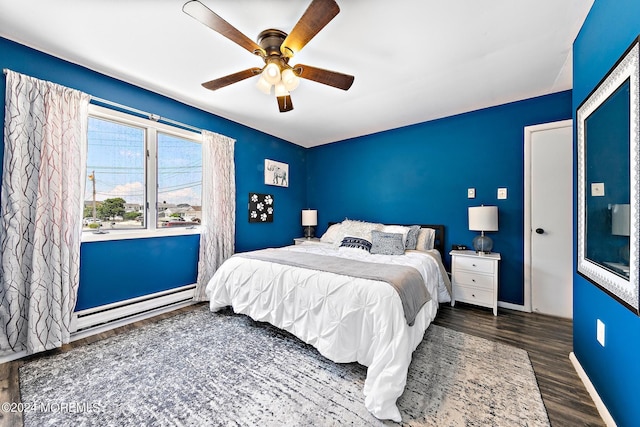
x=346 y=319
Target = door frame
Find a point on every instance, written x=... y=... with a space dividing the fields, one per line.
x=528 y=132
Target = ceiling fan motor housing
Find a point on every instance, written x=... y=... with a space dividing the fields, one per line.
x=271 y=40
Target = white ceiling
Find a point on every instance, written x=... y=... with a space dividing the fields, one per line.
x=413 y=60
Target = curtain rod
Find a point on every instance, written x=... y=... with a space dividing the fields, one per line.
x=154 y=117
x=150 y=116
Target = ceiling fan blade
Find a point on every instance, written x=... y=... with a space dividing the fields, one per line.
x=202 y=13
x=231 y=78
x=284 y=103
x=327 y=77
x=318 y=14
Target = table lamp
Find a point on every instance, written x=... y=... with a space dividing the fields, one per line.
x=309 y=221
x=483 y=218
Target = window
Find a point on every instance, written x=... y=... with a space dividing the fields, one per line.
x=141 y=174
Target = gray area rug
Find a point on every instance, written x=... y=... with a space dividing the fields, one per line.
x=203 y=369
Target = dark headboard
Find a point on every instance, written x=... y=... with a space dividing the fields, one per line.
x=439 y=239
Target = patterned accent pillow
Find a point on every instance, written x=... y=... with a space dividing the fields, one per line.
x=412 y=237
x=356 y=243
x=387 y=243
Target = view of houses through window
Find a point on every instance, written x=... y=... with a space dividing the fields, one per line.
x=140 y=174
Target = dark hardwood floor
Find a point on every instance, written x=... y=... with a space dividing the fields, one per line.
x=548 y=340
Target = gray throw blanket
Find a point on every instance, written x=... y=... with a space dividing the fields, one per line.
x=407 y=281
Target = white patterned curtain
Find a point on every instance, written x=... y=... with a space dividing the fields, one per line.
x=217 y=237
x=41 y=202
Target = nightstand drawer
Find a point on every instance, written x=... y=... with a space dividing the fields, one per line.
x=474 y=264
x=473 y=295
x=475 y=280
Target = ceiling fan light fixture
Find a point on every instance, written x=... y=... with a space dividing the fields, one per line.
x=271 y=73
x=275 y=48
x=281 y=90
x=290 y=80
x=263 y=85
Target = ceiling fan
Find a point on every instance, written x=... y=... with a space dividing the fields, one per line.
x=276 y=48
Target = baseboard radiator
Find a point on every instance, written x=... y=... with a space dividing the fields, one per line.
x=95 y=320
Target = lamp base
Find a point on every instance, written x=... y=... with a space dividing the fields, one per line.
x=309 y=232
x=482 y=244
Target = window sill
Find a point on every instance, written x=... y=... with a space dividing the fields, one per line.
x=89 y=236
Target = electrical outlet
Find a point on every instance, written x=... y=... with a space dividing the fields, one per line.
x=502 y=193
x=471 y=193
x=600 y=332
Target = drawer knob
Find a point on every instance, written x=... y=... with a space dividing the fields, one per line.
x=473 y=295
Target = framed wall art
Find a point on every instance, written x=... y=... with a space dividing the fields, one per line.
x=260 y=207
x=276 y=173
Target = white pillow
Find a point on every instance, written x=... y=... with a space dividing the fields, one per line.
x=361 y=229
x=426 y=239
x=397 y=229
x=331 y=234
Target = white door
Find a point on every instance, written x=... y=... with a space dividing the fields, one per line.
x=550 y=221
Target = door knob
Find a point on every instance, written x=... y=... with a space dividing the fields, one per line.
x=540 y=230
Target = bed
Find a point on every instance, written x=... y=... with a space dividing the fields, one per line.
x=357 y=317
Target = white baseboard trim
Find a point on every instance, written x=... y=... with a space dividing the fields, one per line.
x=511 y=306
x=602 y=409
x=122 y=322
x=85 y=319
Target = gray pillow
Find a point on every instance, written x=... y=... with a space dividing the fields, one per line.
x=387 y=243
x=412 y=237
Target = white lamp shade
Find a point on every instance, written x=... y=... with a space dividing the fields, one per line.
x=271 y=73
x=290 y=80
x=309 y=217
x=264 y=85
x=483 y=218
x=620 y=220
x=280 y=90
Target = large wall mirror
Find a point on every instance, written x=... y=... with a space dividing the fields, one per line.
x=608 y=181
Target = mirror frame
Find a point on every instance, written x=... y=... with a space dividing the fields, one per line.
x=623 y=289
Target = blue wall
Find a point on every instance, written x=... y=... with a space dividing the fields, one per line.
x=152 y=265
x=614 y=369
x=420 y=174
x=152 y=255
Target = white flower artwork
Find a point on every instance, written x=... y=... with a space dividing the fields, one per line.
x=260 y=207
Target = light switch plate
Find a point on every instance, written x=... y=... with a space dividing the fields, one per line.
x=597 y=189
x=502 y=193
x=471 y=193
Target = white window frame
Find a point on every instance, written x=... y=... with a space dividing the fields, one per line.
x=151 y=175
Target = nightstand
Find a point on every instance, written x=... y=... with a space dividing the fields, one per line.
x=474 y=278
x=301 y=240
